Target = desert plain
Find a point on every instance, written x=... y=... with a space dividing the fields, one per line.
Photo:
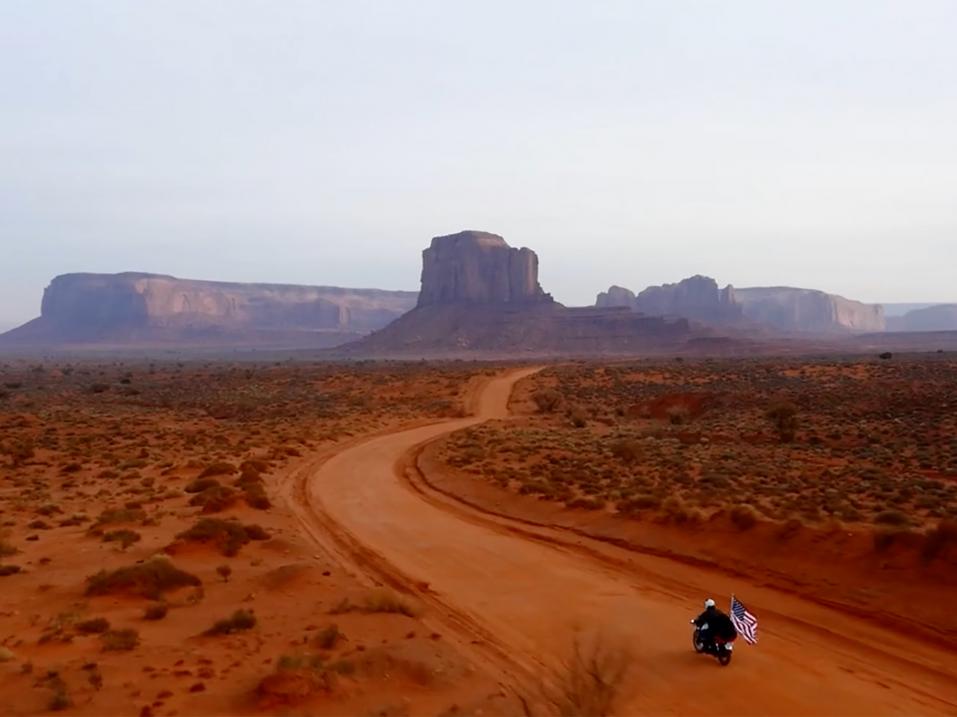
x=398 y=538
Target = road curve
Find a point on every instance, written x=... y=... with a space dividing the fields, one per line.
x=521 y=597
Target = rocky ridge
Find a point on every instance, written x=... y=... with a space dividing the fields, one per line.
x=144 y=308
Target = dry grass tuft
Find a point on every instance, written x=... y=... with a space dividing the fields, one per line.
x=590 y=681
x=237 y=622
x=378 y=601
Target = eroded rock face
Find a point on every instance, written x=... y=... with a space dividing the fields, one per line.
x=808 y=310
x=93 y=306
x=697 y=297
x=616 y=296
x=478 y=267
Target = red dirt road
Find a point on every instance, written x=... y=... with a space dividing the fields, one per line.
x=513 y=597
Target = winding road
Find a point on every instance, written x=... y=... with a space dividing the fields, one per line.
x=513 y=596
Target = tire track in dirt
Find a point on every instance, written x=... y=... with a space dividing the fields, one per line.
x=516 y=676
x=513 y=600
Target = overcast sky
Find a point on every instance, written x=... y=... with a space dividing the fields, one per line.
x=809 y=143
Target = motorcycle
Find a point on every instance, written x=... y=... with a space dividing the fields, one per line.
x=718 y=648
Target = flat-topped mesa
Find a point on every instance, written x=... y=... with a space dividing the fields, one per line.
x=479 y=268
x=145 y=309
x=808 y=310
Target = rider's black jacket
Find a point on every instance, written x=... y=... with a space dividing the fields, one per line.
x=718 y=623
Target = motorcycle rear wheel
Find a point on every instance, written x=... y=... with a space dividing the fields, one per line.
x=724 y=658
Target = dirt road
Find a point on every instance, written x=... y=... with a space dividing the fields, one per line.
x=514 y=597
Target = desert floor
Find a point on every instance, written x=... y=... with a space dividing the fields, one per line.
x=366 y=574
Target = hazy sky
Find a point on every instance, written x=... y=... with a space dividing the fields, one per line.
x=809 y=143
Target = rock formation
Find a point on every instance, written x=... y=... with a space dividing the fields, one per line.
x=478 y=267
x=808 y=310
x=779 y=308
x=616 y=296
x=940 y=317
x=141 y=308
x=481 y=297
x=697 y=297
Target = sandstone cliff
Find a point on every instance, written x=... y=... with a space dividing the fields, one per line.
x=482 y=297
x=135 y=307
x=779 y=308
x=808 y=310
x=616 y=296
x=478 y=267
x=697 y=297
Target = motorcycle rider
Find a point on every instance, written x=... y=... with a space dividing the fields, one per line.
x=714 y=623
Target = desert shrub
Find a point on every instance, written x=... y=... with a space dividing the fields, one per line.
x=120 y=515
x=744 y=517
x=124 y=537
x=784 y=417
x=296 y=678
x=214 y=499
x=578 y=416
x=640 y=502
x=676 y=510
x=253 y=466
x=255 y=496
x=6 y=549
x=885 y=538
x=227 y=535
x=93 y=626
x=18 y=450
x=120 y=640
x=678 y=414
x=224 y=571
x=6 y=570
x=256 y=532
x=201 y=484
x=378 y=601
x=218 y=469
x=237 y=622
x=547 y=400
x=156 y=611
x=627 y=449
x=892 y=517
x=149 y=579
x=937 y=540
x=589 y=682
x=60 y=699
x=328 y=637
x=586 y=503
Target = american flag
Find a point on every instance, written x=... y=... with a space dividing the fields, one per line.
x=744 y=622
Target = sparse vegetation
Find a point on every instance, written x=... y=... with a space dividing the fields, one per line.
x=93 y=626
x=884 y=459
x=156 y=611
x=589 y=681
x=125 y=538
x=784 y=417
x=120 y=640
x=381 y=600
x=150 y=579
x=228 y=536
x=237 y=622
